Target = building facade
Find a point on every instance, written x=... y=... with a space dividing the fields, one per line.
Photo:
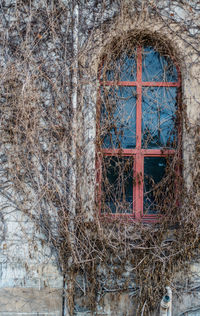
x=60 y=254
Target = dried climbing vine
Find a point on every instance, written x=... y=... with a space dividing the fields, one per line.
x=37 y=149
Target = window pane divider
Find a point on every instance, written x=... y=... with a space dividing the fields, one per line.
x=145 y=152
x=143 y=83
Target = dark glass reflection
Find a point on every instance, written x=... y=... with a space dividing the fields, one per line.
x=154 y=171
x=156 y=67
x=123 y=68
x=158 y=117
x=117 y=185
x=118 y=117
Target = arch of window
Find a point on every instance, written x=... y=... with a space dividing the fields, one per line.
x=139 y=96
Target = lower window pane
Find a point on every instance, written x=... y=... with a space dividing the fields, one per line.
x=117 y=185
x=154 y=171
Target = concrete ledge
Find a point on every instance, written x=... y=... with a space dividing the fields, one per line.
x=30 y=302
x=29 y=314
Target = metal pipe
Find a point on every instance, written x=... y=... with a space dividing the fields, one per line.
x=166 y=303
x=68 y=281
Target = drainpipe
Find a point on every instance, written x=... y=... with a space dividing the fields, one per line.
x=68 y=281
x=74 y=102
x=166 y=303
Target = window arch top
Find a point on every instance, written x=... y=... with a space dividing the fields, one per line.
x=155 y=66
x=139 y=100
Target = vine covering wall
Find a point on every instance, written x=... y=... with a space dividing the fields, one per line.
x=50 y=53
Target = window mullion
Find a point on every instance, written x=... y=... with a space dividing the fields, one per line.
x=139 y=99
x=138 y=189
x=139 y=157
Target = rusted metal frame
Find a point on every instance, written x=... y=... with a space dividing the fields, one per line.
x=143 y=83
x=145 y=152
x=99 y=154
x=179 y=170
x=137 y=153
x=124 y=218
x=139 y=158
x=99 y=179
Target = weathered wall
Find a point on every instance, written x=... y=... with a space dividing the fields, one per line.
x=30 y=278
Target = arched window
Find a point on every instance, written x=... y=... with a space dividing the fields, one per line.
x=138 y=130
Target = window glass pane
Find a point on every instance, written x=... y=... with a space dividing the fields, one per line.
x=154 y=171
x=117 y=185
x=121 y=69
x=118 y=117
x=158 y=117
x=156 y=67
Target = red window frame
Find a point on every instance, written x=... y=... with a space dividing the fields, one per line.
x=138 y=153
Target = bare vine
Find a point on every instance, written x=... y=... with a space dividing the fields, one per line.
x=37 y=66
